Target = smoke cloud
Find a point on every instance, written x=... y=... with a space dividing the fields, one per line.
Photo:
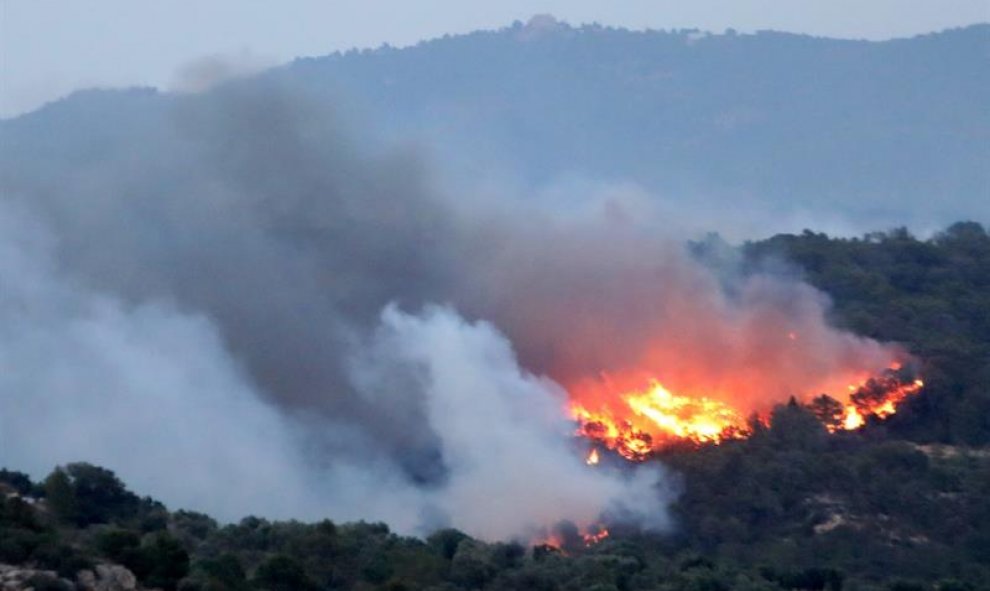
x=242 y=309
x=86 y=376
x=207 y=72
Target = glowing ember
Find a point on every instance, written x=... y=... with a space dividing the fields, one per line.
x=552 y=542
x=594 y=537
x=568 y=538
x=638 y=422
x=592 y=458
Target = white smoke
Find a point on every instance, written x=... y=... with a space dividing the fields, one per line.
x=145 y=390
x=503 y=432
x=151 y=392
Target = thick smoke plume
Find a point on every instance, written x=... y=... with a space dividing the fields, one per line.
x=242 y=309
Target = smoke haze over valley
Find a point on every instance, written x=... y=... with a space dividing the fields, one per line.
x=359 y=286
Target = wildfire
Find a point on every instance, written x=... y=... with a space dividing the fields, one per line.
x=878 y=397
x=567 y=538
x=658 y=417
x=593 y=537
x=635 y=423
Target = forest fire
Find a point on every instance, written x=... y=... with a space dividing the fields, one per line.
x=635 y=423
x=878 y=397
x=654 y=417
x=566 y=537
x=595 y=536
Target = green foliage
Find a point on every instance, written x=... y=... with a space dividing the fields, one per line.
x=223 y=573
x=166 y=562
x=59 y=556
x=933 y=296
x=83 y=494
x=17 y=513
x=445 y=541
x=61 y=496
x=158 y=561
x=119 y=545
x=281 y=573
x=472 y=566
x=19 y=482
x=192 y=527
x=795 y=427
x=101 y=497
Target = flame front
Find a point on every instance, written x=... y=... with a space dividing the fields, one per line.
x=877 y=397
x=566 y=540
x=595 y=536
x=657 y=417
x=635 y=423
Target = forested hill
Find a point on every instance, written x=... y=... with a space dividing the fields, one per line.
x=933 y=296
x=877 y=133
x=763 y=118
x=899 y=505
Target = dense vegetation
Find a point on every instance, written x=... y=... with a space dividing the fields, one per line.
x=899 y=506
x=933 y=296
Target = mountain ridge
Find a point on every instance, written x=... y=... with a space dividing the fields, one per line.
x=891 y=132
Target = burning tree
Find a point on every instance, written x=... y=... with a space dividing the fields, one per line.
x=829 y=411
x=636 y=423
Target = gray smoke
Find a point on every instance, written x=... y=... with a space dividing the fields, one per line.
x=241 y=308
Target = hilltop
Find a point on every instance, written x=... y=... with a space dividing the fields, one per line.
x=775 y=124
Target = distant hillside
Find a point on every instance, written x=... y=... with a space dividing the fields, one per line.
x=898 y=129
x=894 y=132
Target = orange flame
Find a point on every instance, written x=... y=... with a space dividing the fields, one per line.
x=561 y=542
x=637 y=422
x=878 y=397
x=592 y=459
x=593 y=537
x=657 y=416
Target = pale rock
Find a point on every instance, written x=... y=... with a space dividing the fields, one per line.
x=106 y=577
x=15 y=578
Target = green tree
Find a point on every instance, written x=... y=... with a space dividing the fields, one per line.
x=167 y=561
x=19 y=481
x=281 y=573
x=100 y=495
x=60 y=496
x=224 y=573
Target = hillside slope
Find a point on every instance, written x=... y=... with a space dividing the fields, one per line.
x=884 y=133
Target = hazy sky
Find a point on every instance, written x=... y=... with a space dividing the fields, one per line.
x=51 y=47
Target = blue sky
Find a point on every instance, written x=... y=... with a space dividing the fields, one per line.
x=49 y=48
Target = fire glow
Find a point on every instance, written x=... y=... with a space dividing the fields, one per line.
x=637 y=422
x=568 y=539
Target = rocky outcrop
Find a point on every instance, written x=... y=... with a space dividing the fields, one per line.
x=103 y=577
x=107 y=577
x=18 y=578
